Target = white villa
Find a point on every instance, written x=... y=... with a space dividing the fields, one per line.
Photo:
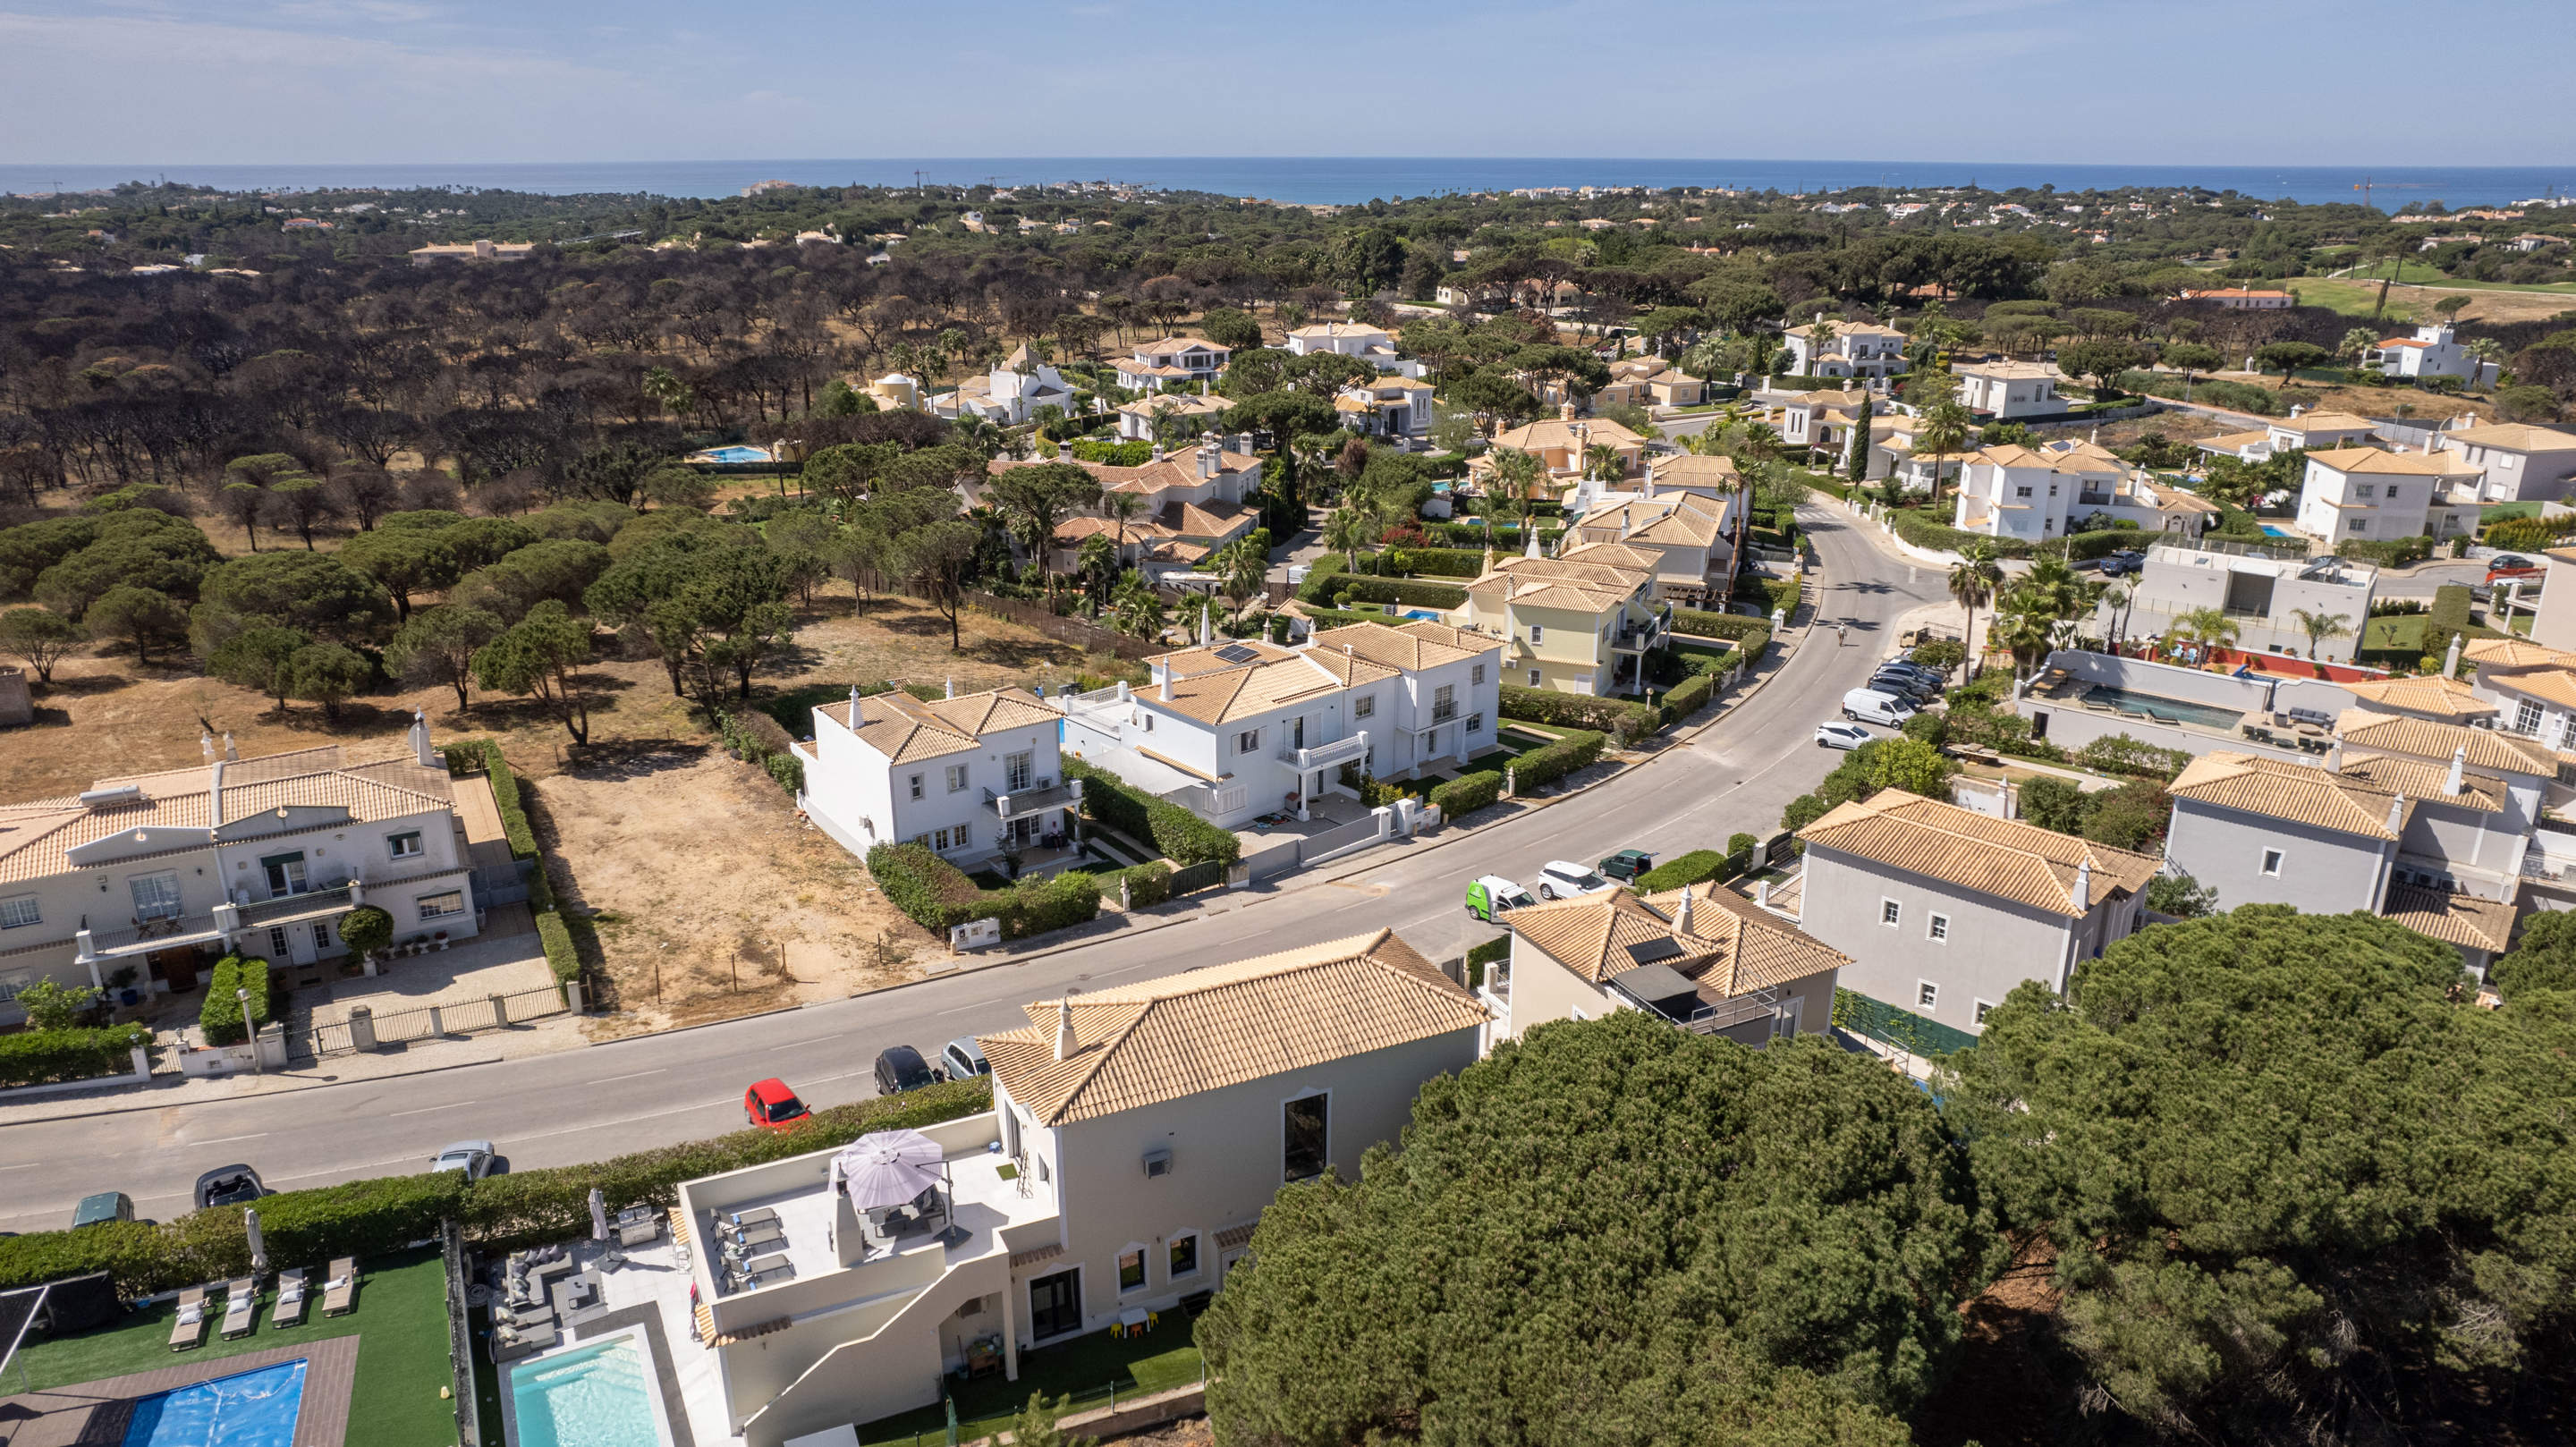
x=1191 y=505
x=2011 y=491
x=1137 y=419
x=2522 y=463
x=2362 y=492
x=2434 y=351
x=1705 y=959
x=971 y=775
x=1394 y=406
x=2006 y=390
x=1011 y=394
x=1863 y=350
x=2302 y=429
x=167 y=872
x=1372 y=345
x=1166 y=362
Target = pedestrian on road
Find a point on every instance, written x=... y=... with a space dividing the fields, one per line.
x=1842 y=635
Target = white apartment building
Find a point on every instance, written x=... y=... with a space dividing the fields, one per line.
x=2521 y=463
x=2005 y=390
x=2362 y=492
x=2260 y=593
x=165 y=873
x=2434 y=351
x=969 y=775
x=1848 y=349
x=2010 y=491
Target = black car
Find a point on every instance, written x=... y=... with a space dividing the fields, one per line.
x=229 y=1186
x=900 y=1069
x=1904 y=684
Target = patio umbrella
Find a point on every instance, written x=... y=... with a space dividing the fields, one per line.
x=888 y=1168
x=258 y=1243
x=598 y=1214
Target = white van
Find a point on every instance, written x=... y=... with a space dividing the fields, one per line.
x=1868 y=705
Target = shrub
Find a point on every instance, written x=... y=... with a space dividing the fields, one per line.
x=2387 y=552
x=1921 y=530
x=1148 y=884
x=561 y=957
x=1406 y=592
x=41 y=1057
x=757 y=738
x=464 y=756
x=1628 y=720
x=366 y=930
x=1696 y=867
x=1483 y=956
x=1692 y=696
x=938 y=896
x=220 y=1018
x=1184 y=837
x=1466 y=794
x=1546 y=765
x=2121 y=754
x=1751 y=635
x=1324 y=578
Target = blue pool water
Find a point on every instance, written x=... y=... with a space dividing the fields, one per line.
x=2270 y=531
x=737 y=454
x=2169 y=710
x=1421 y=613
x=591 y=1396
x=252 y=1409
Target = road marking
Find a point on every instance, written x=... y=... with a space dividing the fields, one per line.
x=638 y=1075
x=817 y=1040
x=426 y=1109
x=29 y=1166
x=228 y=1140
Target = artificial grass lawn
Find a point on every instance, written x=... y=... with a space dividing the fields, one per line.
x=1084 y=1368
x=400 y=1323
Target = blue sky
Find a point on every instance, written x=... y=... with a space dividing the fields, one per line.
x=2199 y=81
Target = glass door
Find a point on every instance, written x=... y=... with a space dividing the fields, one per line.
x=1055 y=1305
x=285 y=874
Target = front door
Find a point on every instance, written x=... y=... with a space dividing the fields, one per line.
x=1297 y=733
x=1055 y=1305
x=177 y=967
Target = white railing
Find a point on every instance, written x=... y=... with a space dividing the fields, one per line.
x=1325 y=756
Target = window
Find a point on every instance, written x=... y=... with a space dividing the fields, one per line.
x=1982 y=1007
x=956 y=777
x=2365 y=490
x=2272 y=862
x=156 y=896
x=916 y=786
x=2021 y=492
x=943 y=840
x=1019 y=771
x=2392 y=492
x=1533 y=678
x=1475 y=723
x=1185 y=1256
x=1889 y=912
x=280 y=948
x=2526 y=717
x=1476 y=676
x=1131 y=1270
x=19 y=910
x=285 y=873
x=2361 y=525
x=1303 y=1131
x=1444 y=703
x=1538 y=634
x=1940 y=928
x=1248 y=742
x=1927 y=996
x=403 y=846
x=1364 y=706
x=321 y=938
x=439 y=906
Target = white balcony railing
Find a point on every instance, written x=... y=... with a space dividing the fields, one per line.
x=1325 y=756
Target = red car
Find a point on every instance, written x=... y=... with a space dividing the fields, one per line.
x=770 y=1105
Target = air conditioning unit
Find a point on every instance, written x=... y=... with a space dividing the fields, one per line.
x=1158 y=1163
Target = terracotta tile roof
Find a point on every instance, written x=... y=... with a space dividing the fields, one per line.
x=2454 y=919
x=2426 y=739
x=2372 y=460
x=2515 y=653
x=1590 y=578
x=1757 y=948
x=1178 y=404
x=2423 y=781
x=2001 y=857
x=1555 y=434
x=1688 y=469
x=1215 y=690
x=1732 y=947
x=2328 y=422
x=1165 y=346
x=2515 y=437
x=1678 y=518
x=2279 y=789
x=2007 y=371
x=1402 y=648
x=2550 y=685
x=1448 y=637
x=2231 y=441
x=2433 y=697
x=1205 y=1029
x=904 y=728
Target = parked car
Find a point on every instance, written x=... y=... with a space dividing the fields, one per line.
x=770 y=1105
x=1869 y=705
x=1626 y=865
x=1905 y=686
x=1491 y=895
x=474 y=1158
x=1909 y=666
x=901 y=1068
x=2122 y=563
x=229 y=1186
x=102 y=1208
x=962 y=1057
x=1561 y=879
x=1841 y=736
x=2510 y=565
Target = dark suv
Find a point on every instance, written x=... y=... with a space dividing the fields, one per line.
x=900 y=1069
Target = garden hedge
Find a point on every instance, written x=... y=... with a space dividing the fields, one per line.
x=938 y=896
x=1406 y=592
x=1323 y=576
x=42 y=1057
x=1751 y=636
x=1184 y=837
x=1466 y=794
x=1689 y=697
x=1147 y=884
x=385 y=1213
x=1398 y=562
x=219 y=1019
x=2121 y=754
x=1696 y=867
x=462 y=758
x=1483 y=956
x=1542 y=766
x=1630 y=721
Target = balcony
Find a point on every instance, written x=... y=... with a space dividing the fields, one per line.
x=1047 y=795
x=1444 y=711
x=291 y=908
x=1326 y=756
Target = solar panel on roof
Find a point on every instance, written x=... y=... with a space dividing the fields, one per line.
x=1646 y=952
x=1237 y=653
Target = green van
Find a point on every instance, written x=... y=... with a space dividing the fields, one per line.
x=1492 y=895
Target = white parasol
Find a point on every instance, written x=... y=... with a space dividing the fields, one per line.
x=598 y=1214
x=888 y=1168
x=258 y=1243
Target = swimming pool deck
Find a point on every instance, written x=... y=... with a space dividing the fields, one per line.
x=96 y=1414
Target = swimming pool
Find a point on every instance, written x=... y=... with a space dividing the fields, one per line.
x=736 y=454
x=2270 y=531
x=597 y=1395
x=2167 y=710
x=249 y=1409
x=1421 y=613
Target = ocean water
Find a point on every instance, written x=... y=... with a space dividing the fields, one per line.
x=1340 y=180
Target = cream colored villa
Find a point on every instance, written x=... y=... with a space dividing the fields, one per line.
x=1580 y=623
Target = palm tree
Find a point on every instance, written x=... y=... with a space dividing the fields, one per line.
x=1350 y=529
x=1601 y=462
x=1121 y=508
x=2320 y=626
x=1973 y=580
x=2208 y=627
x=1515 y=472
x=2360 y=342
x=1137 y=609
x=2116 y=599
x=2488 y=350
x=1943 y=430
x=1760 y=441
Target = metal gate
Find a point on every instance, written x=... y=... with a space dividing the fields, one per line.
x=324 y=1040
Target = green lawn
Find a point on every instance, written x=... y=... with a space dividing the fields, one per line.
x=1085 y=1369
x=400 y=1323
x=2404 y=631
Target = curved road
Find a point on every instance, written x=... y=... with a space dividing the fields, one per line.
x=584 y=1104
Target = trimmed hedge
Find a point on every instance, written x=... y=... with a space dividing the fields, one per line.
x=1184 y=837
x=383 y=1214
x=462 y=757
x=1751 y=636
x=938 y=896
x=1147 y=884
x=219 y=1019
x=42 y=1057
x=1543 y=766
x=1407 y=592
x=1630 y=721
x=1690 y=697
x=556 y=936
x=1483 y=956
x=1696 y=867
x=1322 y=578
x=2121 y=754
x=1466 y=794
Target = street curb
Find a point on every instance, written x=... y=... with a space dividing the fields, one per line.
x=260 y=1095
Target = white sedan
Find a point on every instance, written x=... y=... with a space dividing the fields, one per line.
x=1841 y=736
x=1559 y=879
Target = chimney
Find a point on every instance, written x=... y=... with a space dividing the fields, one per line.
x=1164 y=676
x=215 y=797
x=2082 y=893
x=206 y=746
x=420 y=742
x=1682 y=916
x=1158 y=452
x=854 y=706
x=952 y=687
x=2397 y=814
x=1210 y=460
x=230 y=752
x=2459 y=763
x=1762 y=893
x=2451 y=657
x=1065 y=1044
x=1205 y=613
x=2334 y=757
x=1565 y=411
x=1530 y=550
x=1650 y=487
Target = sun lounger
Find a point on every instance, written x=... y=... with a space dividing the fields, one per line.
x=340 y=1292
x=289 y=1310
x=759 y=1217
x=753 y=1240
x=241 y=1295
x=189 y=1329
x=531 y=1339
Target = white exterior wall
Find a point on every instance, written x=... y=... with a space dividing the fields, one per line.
x=2321 y=871
x=863 y=799
x=2372 y=506
x=2513 y=476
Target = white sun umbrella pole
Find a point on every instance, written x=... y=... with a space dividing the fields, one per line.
x=258 y=1243
x=599 y=1225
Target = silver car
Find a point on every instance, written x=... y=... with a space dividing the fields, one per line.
x=474 y=1158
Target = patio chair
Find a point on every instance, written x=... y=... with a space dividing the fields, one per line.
x=340 y=1292
x=189 y=1329
x=759 y=1217
x=289 y=1310
x=241 y=1295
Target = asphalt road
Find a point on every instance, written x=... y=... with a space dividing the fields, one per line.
x=584 y=1104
